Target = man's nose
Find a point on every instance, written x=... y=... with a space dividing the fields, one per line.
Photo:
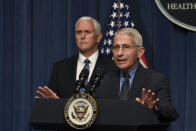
x=120 y=52
x=83 y=35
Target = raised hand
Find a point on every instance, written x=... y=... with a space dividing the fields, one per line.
x=46 y=92
x=148 y=99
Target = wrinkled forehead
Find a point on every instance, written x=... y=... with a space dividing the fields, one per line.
x=123 y=39
x=122 y=33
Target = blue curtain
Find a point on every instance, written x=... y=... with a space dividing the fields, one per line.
x=36 y=33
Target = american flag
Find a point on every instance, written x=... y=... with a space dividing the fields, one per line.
x=120 y=17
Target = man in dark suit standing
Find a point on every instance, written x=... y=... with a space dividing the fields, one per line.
x=133 y=82
x=66 y=72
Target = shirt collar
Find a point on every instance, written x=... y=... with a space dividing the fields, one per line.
x=92 y=58
x=131 y=73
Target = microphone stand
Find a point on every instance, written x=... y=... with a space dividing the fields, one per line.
x=82 y=78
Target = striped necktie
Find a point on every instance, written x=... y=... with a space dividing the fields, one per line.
x=86 y=66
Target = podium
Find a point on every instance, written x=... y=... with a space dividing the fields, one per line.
x=48 y=114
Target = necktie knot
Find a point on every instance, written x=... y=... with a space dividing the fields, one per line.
x=86 y=66
x=86 y=61
x=126 y=75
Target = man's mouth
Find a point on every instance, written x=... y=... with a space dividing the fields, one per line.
x=83 y=42
x=121 y=61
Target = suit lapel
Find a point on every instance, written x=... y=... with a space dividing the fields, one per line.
x=116 y=81
x=138 y=83
x=75 y=66
x=98 y=65
x=110 y=86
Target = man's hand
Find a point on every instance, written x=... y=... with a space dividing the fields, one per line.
x=46 y=92
x=148 y=99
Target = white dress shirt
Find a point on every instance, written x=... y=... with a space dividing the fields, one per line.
x=80 y=64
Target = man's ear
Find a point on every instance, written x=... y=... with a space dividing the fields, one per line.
x=141 y=51
x=99 y=37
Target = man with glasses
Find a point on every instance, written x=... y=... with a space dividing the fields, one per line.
x=132 y=81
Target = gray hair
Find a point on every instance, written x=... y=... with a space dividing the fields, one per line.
x=96 y=24
x=137 y=38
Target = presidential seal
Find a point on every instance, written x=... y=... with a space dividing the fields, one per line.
x=80 y=111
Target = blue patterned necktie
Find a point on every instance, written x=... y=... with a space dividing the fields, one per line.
x=86 y=66
x=125 y=87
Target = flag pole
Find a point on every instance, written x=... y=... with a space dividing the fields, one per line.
x=119 y=14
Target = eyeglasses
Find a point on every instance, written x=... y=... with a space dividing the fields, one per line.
x=125 y=48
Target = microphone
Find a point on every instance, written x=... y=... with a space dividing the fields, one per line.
x=93 y=84
x=83 y=75
x=82 y=78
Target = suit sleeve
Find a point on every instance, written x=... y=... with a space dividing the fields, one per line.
x=166 y=112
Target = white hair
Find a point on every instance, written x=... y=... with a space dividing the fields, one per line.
x=137 y=38
x=96 y=24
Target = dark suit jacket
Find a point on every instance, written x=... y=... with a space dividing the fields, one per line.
x=144 y=78
x=63 y=77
